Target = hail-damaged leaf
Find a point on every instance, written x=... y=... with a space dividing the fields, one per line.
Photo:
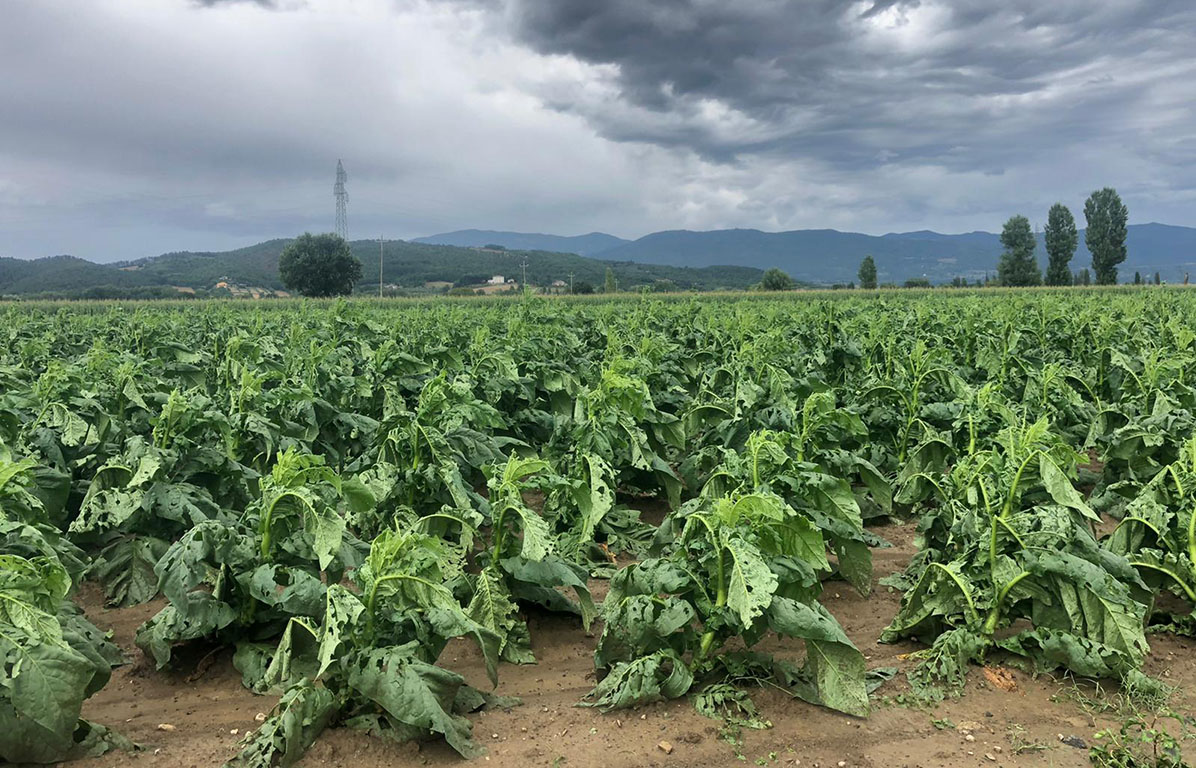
x=301 y=714
x=413 y=693
x=656 y=677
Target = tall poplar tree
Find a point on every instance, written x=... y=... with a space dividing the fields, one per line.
x=1018 y=265
x=1107 y=220
x=1061 y=241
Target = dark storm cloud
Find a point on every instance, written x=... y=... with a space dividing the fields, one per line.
x=899 y=80
x=137 y=126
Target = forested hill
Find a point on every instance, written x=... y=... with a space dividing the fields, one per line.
x=583 y=245
x=826 y=255
x=406 y=264
x=830 y=256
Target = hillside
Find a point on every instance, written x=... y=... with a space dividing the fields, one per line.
x=408 y=265
x=63 y=273
x=688 y=260
x=583 y=245
x=829 y=256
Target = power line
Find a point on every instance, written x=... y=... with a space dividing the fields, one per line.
x=381 y=241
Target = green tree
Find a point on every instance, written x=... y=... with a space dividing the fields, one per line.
x=867 y=273
x=1137 y=278
x=582 y=287
x=319 y=265
x=1083 y=277
x=1061 y=241
x=1157 y=279
x=609 y=285
x=1105 y=238
x=776 y=280
x=1018 y=265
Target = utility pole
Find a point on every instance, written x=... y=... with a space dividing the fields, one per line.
x=342 y=201
x=523 y=285
x=570 y=283
x=380 y=242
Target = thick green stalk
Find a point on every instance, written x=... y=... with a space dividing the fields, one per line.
x=1007 y=507
x=719 y=602
x=990 y=624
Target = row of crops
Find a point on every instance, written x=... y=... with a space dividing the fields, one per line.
x=337 y=490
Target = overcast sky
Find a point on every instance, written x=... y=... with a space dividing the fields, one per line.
x=133 y=127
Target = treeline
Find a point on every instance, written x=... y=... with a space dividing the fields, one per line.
x=1107 y=218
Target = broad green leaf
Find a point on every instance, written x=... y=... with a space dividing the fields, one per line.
x=44 y=685
x=126 y=569
x=1061 y=489
x=493 y=608
x=750 y=582
x=640 y=623
x=834 y=666
x=537 y=538
x=292 y=726
x=341 y=614
x=413 y=693
x=855 y=564
x=657 y=677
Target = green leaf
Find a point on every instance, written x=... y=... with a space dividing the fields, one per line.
x=126 y=569
x=537 y=581
x=834 y=666
x=196 y=616
x=295 y=658
x=942 y=591
x=293 y=590
x=595 y=497
x=882 y=491
x=1052 y=648
x=655 y=677
x=341 y=614
x=537 y=538
x=327 y=529
x=493 y=608
x=855 y=564
x=1061 y=489
x=42 y=687
x=833 y=496
x=413 y=693
x=1098 y=607
x=639 y=623
x=750 y=583
x=293 y=725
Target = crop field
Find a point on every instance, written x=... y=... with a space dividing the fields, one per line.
x=896 y=529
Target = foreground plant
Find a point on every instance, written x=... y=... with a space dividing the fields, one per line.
x=242 y=579
x=741 y=566
x=520 y=562
x=370 y=662
x=1011 y=539
x=1158 y=530
x=51 y=657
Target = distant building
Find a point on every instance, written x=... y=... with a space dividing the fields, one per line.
x=496 y=280
x=558 y=283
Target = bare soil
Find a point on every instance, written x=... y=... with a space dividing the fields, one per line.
x=208 y=710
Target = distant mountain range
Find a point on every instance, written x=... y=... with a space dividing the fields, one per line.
x=582 y=245
x=728 y=258
x=830 y=256
x=409 y=265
